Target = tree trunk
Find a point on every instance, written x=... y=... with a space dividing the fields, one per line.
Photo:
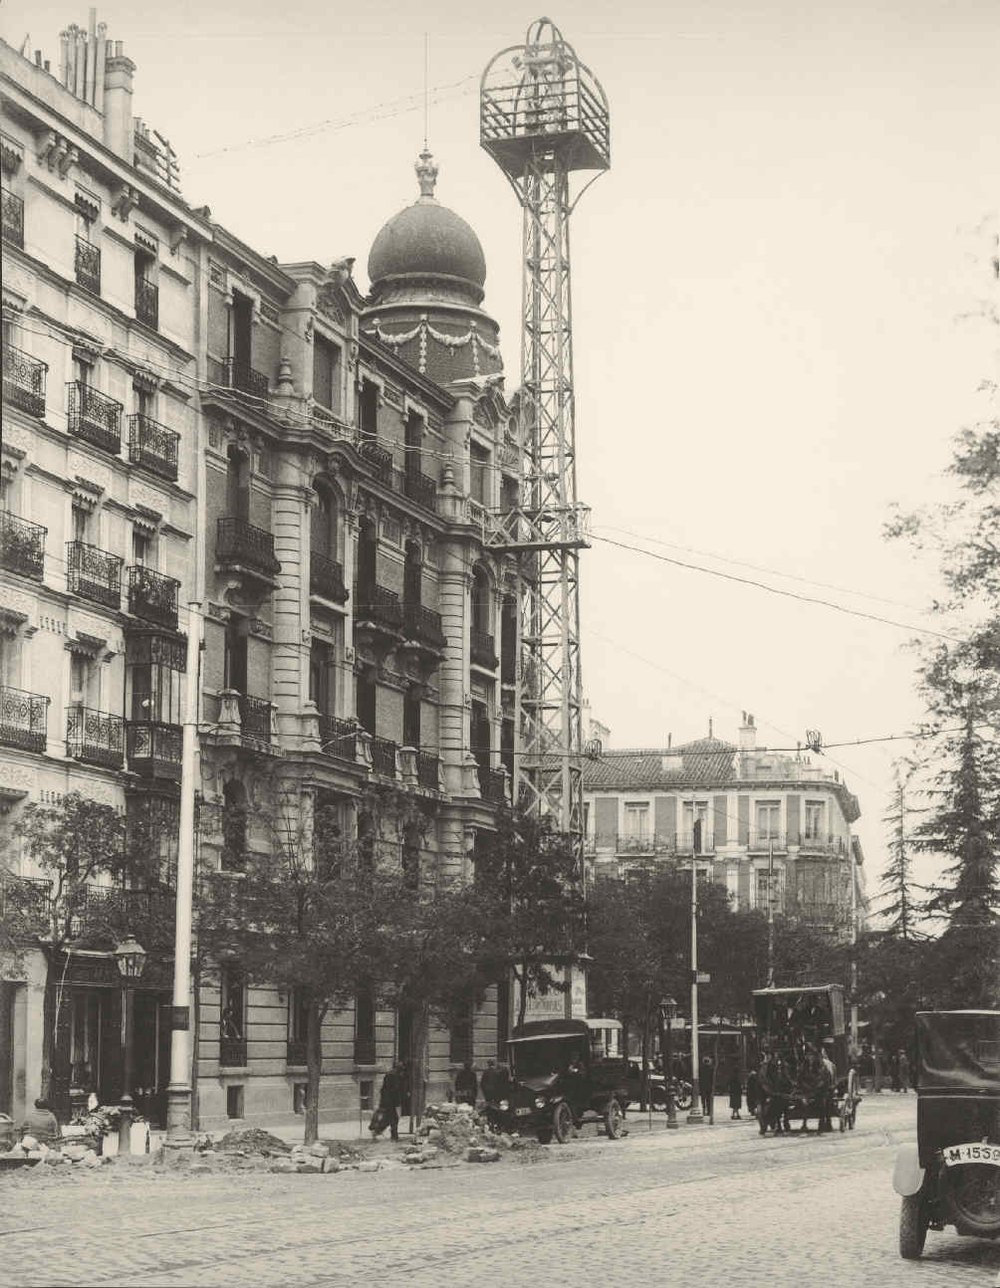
x=418 y=1063
x=644 y=1087
x=522 y=995
x=314 y=1067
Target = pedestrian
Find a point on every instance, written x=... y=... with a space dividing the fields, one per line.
x=490 y=1083
x=466 y=1084
x=753 y=1093
x=894 y=1070
x=828 y=1084
x=904 y=1071
x=706 y=1084
x=735 y=1094
x=389 y=1099
x=42 y=1123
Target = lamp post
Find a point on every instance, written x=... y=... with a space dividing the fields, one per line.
x=668 y=1013
x=131 y=958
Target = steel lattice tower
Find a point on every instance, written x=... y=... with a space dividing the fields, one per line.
x=544 y=120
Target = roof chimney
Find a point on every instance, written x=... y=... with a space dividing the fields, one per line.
x=748 y=733
x=118 y=73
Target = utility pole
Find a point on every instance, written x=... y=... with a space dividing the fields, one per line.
x=179 y=1089
x=854 y=954
x=770 y=913
x=695 y=1116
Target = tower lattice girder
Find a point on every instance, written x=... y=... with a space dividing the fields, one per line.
x=544 y=117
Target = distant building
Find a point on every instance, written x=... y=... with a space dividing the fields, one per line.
x=754 y=820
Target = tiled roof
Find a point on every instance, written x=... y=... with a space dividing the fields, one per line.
x=707 y=760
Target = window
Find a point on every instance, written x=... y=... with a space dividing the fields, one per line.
x=815 y=820
x=234 y=1102
x=326 y=373
x=80 y=522
x=460 y=1039
x=321 y=676
x=84 y=681
x=323 y=523
x=479 y=477
x=366 y=1094
x=241 y=333
x=85 y=1017
x=365 y=693
x=83 y=371
x=299 y=1097
x=237 y=484
x=234 y=827
x=145 y=403
x=480 y=600
x=235 y=658
x=367 y=560
x=636 y=820
x=146 y=289
x=481 y=734
x=695 y=816
x=768 y=815
x=733 y=885
x=232 y=1000
x=368 y=409
x=411 y=719
x=364 y=1027
x=142 y=547
x=412 y=574
x=413 y=437
x=762 y=882
x=298 y=1015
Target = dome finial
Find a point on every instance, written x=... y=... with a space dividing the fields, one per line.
x=427 y=173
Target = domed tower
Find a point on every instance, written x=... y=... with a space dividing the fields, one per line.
x=427 y=271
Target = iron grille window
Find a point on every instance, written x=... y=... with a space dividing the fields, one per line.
x=24 y=381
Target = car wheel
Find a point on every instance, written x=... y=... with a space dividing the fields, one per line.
x=971 y=1194
x=614 y=1119
x=544 y=1135
x=683 y=1099
x=562 y=1122
x=912 y=1227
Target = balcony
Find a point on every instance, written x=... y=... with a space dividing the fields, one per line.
x=87 y=265
x=384 y=757
x=492 y=785
x=483 y=650
x=828 y=844
x=153 y=748
x=232 y=1053
x=379 y=458
x=23 y=719
x=152 y=596
x=423 y=626
x=95 y=737
x=643 y=843
x=24 y=901
x=153 y=445
x=817 y=913
x=24 y=381
x=13 y=218
x=429 y=771
x=763 y=842
x=380 y=608
x=94 y=574
x=240 y=375
x=241 y=546
x=22 y=545
x=687 y=843
x=94 y=417
x=420 y=488
x=295 y=1052
x=107 y=909
x=326 y=578
x=147 y=302
x=508 y=658
x=338 y=737
x=255 y=717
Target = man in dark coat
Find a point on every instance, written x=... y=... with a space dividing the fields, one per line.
x=466 y=1085
x=735 y=1093
x=389 y=1099
x=706 y=1084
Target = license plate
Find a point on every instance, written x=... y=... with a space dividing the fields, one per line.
x=971 y=1154
x=522 y=1113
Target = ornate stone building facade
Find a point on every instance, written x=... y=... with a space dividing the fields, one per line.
x=186 y=421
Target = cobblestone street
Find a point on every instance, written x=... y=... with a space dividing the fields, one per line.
x=702 y=1206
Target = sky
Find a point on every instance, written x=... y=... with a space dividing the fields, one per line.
x=777 y=294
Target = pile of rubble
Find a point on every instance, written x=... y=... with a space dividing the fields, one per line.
x=458 y=1130
x=30 y=1151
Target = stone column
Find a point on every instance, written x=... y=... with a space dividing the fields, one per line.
x=291 y=500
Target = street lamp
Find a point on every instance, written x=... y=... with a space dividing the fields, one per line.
x=668 y=1013
x=131 y=958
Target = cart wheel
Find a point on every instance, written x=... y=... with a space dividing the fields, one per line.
x=544 y=1135
x=912 y=1227
x=614 y=1119
x=562 y=1122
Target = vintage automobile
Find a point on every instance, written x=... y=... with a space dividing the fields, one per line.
x=560 y=1079
x=657 y=1084
x=951 y=1176
x=795 y=1023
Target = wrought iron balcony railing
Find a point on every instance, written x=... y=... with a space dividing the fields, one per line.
x=508 y=658
x=95 y=737
x=94 y=416
x=233 y=1053
x=255 y=717
x=13 y=218
x=492 y=784
x=420 y=488
x=153 y=445
x=384 y=757
x=326 y=578
x=23 y=719
x=764 y=841
x=424 y=625
x=87 y=265
x=94 y=574
x=428 y=770
x=152 y=596
x=690 y=843
x=641 y=843
x=147 y=302
x=338 y=737
x=484 y=650
x=153 y=748
x=24 y=901
x=22 y=545
x=379 y=458
x=821 y=844
x=241 y=543
x=24 y=381
x=379 y=605
x=102 y=908
x=240 y=375
x=295 y=1051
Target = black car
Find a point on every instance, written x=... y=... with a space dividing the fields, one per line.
x=951 y=1176
x=558 y=1081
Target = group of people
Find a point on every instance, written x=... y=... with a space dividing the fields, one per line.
x=799 y=1080
x=394 y=1094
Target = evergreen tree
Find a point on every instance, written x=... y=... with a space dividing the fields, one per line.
x=898 y=909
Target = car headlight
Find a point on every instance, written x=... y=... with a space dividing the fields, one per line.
x=540 y=1102
x=505 y=1105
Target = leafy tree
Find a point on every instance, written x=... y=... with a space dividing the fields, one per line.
x=531 y=903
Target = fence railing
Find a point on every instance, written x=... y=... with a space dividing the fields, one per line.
x=24 y=381
x=384 y=757
x=87 y=265
x=153 y=747
x=424 y=624
x=338 y=737
x=240 y=375
x=240 y=542
x=95 y=737
x=94 y=416
x=153 y=445
x=22 y=545
x=153 y=596
x=94 y=573
x=380 y=605
x=23 y=719
x=147 y=302
x=25 y=900
x=255 y=717
x=13 y=218
x=428 y=770
x=483 y=649
x=492 y=785
x=326 y=578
